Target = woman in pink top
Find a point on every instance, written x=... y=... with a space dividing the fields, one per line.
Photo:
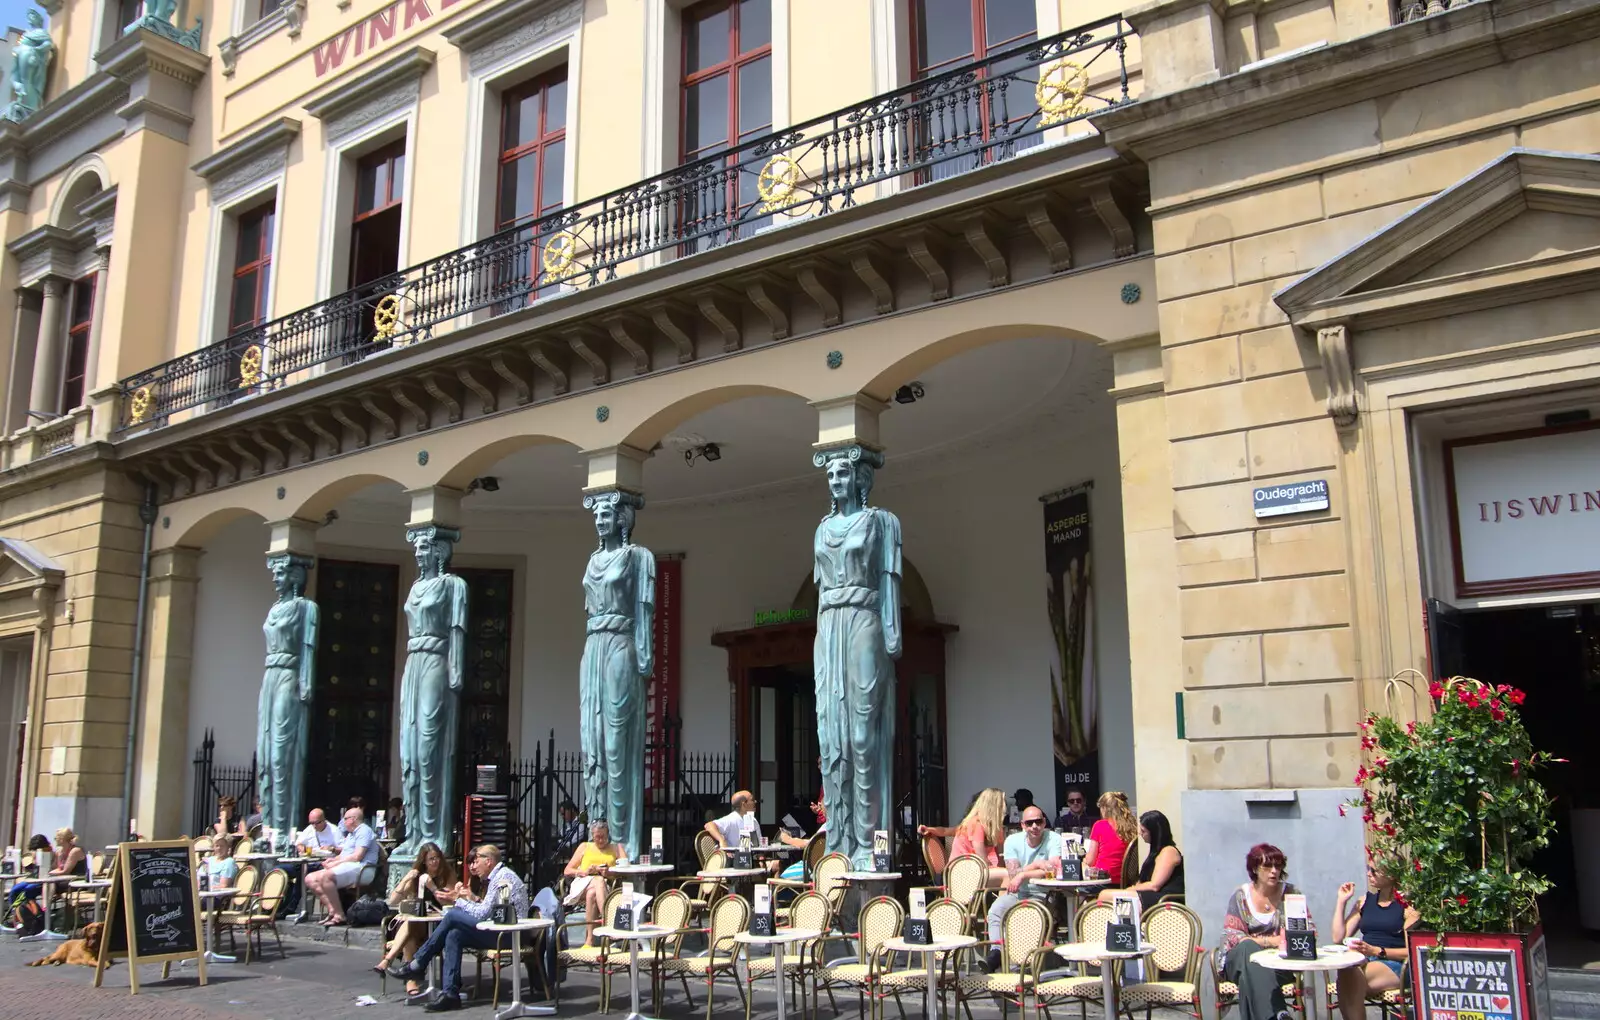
x=1110 y=836
x=981 y=833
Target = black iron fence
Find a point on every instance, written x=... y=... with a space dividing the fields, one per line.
x=212 y=782
x=966 y=118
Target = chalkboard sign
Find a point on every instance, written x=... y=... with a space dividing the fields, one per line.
x=152 y=908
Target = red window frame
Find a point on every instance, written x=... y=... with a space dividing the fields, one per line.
x=258 y=263
x=544 y=137
x=79 y=328
x=982 y=47
x=394 y=155
x=740 y=191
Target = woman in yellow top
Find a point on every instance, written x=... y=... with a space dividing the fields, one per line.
x=588 y=868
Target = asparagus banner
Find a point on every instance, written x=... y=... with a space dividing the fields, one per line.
x=1074 y=702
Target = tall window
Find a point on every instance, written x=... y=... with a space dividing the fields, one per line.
x=252 y=269
x=727 y=97
x=261 y=8
x=78 y=328
x=949 y=33
x=533 y=145
x=375 y=232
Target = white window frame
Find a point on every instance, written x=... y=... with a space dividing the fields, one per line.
x=339 y=190
x=222 y=245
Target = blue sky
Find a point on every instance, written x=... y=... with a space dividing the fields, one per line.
x=14 y=13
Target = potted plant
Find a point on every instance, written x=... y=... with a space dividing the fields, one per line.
x=1455 y=813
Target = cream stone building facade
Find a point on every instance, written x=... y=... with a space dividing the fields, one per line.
x=299 y=280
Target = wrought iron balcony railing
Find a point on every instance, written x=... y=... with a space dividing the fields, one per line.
x=970 y=117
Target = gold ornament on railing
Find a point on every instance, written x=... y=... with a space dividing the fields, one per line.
x=250 y=367
x=1060 y=91
x=386 y=318
x=777 y=183
x=139 y=404
x=560 y=252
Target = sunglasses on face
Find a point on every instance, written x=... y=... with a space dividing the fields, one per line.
x=1078 y=801
x=1033 y=821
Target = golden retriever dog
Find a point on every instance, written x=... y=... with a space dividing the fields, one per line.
x=83 y=952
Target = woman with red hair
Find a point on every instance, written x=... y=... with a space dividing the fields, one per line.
x=1254 y=922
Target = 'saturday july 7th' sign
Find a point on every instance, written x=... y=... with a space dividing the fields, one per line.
x=1291 y=498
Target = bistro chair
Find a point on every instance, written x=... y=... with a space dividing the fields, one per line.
x=816 y=849
x=729 y=916
x=1081 y=987
x=246 y=845
x=671 y=910
x=1130 y=864
x=1227 y=993
x=1025 y=936
x=828 y=879
x=498 y=958
x=260 y=911
x=244 y=887
x=1177 y=934
x=202 y=846
x=934 y=855
x=1391 y=1002
x=601 y=956
x=946 y=918
x=706 y=891
x=880 y=920
x=808 y=912
x=704 y=844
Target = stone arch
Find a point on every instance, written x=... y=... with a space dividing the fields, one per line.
x=87 y=178
x=200 y=533
x=461 y=474
x=316 y=506
x=883 y=385
x=653 y=429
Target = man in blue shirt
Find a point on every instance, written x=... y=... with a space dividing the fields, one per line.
x=1035 y=852
x=458 y=929
x=357 y=848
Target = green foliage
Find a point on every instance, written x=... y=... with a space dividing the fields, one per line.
x=1454 y=811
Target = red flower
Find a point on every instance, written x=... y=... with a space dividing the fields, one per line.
x=1516 y=766
x=1501 y=688
x=1361 y=775
x=1497 y=715
x=1461 y=900
x=1341 y=810
x=1436 y=690
x=1516 y=697
x=1417 y=865
x=1368 y=743
x=1400 y=899
x=1380 y=764
x=1411 y=728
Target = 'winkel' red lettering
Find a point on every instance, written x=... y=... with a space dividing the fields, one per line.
x=330 y=54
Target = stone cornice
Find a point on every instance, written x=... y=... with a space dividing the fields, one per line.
x=141 y=52
x=100 y=212
x=44 y=251
x=404 y=70
x=96 y=94
x=1405 y=56
x=508 y=27
x=269 y=143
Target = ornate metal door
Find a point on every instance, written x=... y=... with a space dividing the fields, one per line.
x=486 y=688
x=353 y=702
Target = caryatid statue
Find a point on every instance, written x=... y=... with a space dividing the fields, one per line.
x=857 y=571
x=284 y=713
x=619 y=598
x=30 y=68
x=430 y=689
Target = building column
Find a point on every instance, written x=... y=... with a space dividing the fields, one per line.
x=164 y=752
x=48 y=354
x=102 y=282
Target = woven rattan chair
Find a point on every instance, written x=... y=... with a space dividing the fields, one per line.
x=966 y=880
x=1227 y=993
x=244 y=887
x=1130 y=864
x=880 y=920
x=828 y=879
x=729 y=916
x=1176 y=933
x=808 y=912
x=672 y=910
x=602 y=957
x=816 y=849
x=246 y=845
x=261 y=911
x=704 y=844
x=1391 y=1002
x=946 y=918
x=202 y=846
x=1024 y=932
x=934 y=855
x=703 y=893
x=1082 y=987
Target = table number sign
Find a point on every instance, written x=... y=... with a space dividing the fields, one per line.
x=919 y=932
x=1071 y=863
x=880 y=850
x=624 y=918
x=504 y=911
x=1299 y=940
x=1122 y=934
x=657 y=854
x=761 y=920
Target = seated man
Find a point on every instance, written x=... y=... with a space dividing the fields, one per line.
x=1035 y=852
x=357 y=849
x=732 y=825
x=458 y=929
x=318 y=833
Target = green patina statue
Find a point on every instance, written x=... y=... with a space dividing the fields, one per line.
x=619 y=595
x=283 y=715
x=30 y=68
x=857 y=570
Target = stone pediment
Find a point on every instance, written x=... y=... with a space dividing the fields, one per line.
x=1525 y=227
x=22 y=567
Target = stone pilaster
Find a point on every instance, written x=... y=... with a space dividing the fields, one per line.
x=163 y=747
x=45 y=396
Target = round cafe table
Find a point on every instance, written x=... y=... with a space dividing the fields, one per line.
x=734 y=877
x=1329 y=959
x=626 y=871
x=299 y=862
x=48 y=882
x=777 y=941
x=212 y=899
x=1097 y=953
x=437 y=980
x=929 y=954
x=642 y=933
x=98 y=886
x=518 y=1007
x=1071 y=887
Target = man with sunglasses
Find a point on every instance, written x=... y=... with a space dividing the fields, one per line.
x=1075 y=815
x=458 y=929
x=1035 y=852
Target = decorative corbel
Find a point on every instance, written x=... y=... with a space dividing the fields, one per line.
x=342 y=415
x=864 y=260
x=321 y=431
x=486 y=396
x=764 y=294
x=979 y=233
x=438 y=389
x=710 y=302
x=544 y=360
x=418 y=414
x=294 y=13
x=923 y=249
x=225 y=466
x=599 y=371
x=618 y=327
x=1103 y=198
x=1042 y=218
x=260 y=436
x=1333 y=347
x=307 y=451
x=666 y=318
x=523 y=386
x=228 y=53
x=247 y=456
x=381 y=417
x=201 y=472
x=816 y=279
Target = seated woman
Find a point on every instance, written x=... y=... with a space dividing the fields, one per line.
x=221 y=869
x=1162 y=871
x=1110 y=836
x=432 y=879
x=68 y=859
x=982 y=833
x=1382 y=920
x=588 y=868
x=228 y=822
x=1254 y=922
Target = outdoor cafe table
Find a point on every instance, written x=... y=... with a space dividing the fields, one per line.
x=98 y=886
x=643 y=933
x=1071 y=888
x=49 y=882
x=300 y=861
x=213 y=900
x=732 y=876
x=777 y=941
x=943 y=944
x=437 y=981
x=639 y=870
x=1329 y=959
x=518 y=1008
x=1096 y=952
